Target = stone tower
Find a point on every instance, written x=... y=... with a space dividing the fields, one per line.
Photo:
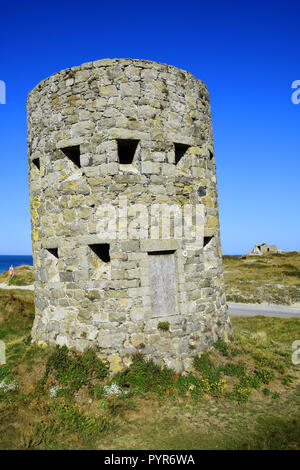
x=120 y=153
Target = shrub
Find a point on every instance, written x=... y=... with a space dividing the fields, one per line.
x=240 y=393
x=235 y=352
x=265 y=375
x=204 y=365
x=144 y=376
x=98 y=392
x=252 y=381
x=70 y=418
x=4 y=372
x=221 y=346
x=74 y=370
x=236 y=370
x=264 y=360
x=287 y=380
x=163 y=325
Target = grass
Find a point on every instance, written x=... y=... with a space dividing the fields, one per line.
x=273 y=278
x=163 y=325
x=240 y=395
x=23 y=276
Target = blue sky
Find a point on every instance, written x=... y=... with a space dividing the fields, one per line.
x=247 y=52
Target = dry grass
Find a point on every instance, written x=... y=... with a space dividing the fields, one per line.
x=273 y=279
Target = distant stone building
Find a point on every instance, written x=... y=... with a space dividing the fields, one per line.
x=264 y=249
x=107 y=141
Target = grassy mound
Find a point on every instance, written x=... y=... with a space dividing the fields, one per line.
x=23 y=276
x=274 y=278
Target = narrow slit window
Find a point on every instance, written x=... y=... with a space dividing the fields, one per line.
x=36 y=162
x=161 y=252
x=53 y=252
x=73 y=153
x=211 y=155
x=126 y=150
x=180 y=150
x=207 y=240
x=102 y=250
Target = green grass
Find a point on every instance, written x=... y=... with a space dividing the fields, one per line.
x=273 y=278
x=72 y=370
x=23 y=276
x=240 y=395
x=163 y=325
x=281 y=330
x=16 y=314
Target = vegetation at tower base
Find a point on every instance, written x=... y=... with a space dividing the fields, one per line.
x=100 y=134
x=242 y=394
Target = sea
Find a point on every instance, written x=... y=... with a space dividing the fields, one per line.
x=14 y=260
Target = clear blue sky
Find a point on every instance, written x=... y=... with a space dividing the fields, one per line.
x=248 y=54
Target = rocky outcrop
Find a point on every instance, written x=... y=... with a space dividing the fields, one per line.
x=264 y=249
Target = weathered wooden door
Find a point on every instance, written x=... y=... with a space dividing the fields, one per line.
x=162 y=283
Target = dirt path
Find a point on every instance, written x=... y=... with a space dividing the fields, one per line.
x=5 y=286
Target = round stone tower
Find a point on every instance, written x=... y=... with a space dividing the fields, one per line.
x=124 y=213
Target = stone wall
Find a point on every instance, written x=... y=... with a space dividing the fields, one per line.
x=92 y=287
